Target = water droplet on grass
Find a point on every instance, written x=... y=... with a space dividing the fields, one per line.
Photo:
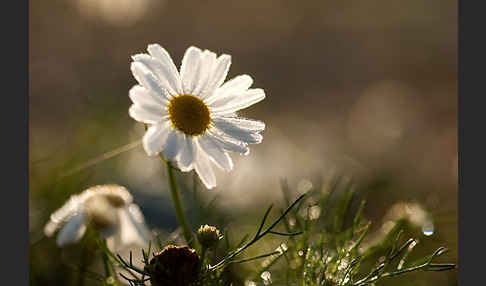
x=428 y=229
x=267 y=278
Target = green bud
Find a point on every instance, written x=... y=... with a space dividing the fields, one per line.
x=208 y=236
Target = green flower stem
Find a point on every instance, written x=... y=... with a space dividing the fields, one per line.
x=203 y=255
x=108 y=267
x=176 y=198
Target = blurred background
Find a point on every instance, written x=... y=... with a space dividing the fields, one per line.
x=363 y=89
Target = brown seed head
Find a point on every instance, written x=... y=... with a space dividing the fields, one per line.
x=174 y=266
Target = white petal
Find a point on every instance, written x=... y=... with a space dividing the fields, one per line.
x=144 y=77
x=236 y=102
x=228 y=143
x=215 y=152
x=175 y=142
x=136 y=216
x=205 y=70
x=156 y=51
x=59 y=217
x=204 y=170
x=142 y=96
x=217 y=75
x=169 y=79
x=243 y=123
x=236 y=85
x=130 y=230
x=236 y=132
x=155 y=139
x=50 y=228
x=72 y=231
x=147 y=113
x=190 y=69
x=138 y=221
x=188 y=154
x=227 y=115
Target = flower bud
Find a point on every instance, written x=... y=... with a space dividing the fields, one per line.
x=208 y=236
x=174 y=265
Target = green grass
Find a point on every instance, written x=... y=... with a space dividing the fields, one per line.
x=321 y=238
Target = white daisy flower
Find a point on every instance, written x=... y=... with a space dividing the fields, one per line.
x=191 y=113
x=109 y=209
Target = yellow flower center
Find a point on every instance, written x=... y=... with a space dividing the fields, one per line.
x=189 y=114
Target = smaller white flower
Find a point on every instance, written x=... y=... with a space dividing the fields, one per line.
x=191 y=113
x=109 y=209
